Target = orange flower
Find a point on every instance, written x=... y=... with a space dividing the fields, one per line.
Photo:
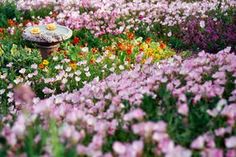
x=92 y=61
x=148 y=40
x=162 y=45
x=121 y=46
x=1 y=30
x=41 y=66
x=94 y=50
x=129 y=49
x=73 y=65
x=128 y=59
x=11 y=22
x=130 y=35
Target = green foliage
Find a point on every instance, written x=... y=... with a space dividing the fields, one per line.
x=57 y=147
x=120 y=135
x=8 y=10
x=42 y=12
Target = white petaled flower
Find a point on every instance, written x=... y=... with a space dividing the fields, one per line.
x=64 y=81
x=30 y=75
x=98 y=60
x=112 y=69
x=34 y=66
x=71 y=75
x=86 y=69
x=121 y=67
x=2 y=91
x=10 y=86
x=202 y=24
x=77 y=78
x=18 y=80
x=88 y=74
x=78 y=72
x=85 y=49
x=169 y=34
x=55 y=58
x=3 y=76
x=22 y=71
x=9 y=65
x=68 y=69
x=112 y=57
x=10 y=95
x=58 y=67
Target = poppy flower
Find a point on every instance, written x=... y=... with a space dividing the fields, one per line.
x=41 y=66
x=1 y=30
x=11 y=22
x=130 y=35
x=162 y=46
x=76 y=40
x=148 y=40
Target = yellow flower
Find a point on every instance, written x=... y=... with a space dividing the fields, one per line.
x=35 y=30
x=45 y=62
x=73 y=65
x=51 y=26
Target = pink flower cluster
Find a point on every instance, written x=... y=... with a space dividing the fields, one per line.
x=98 y=109
x=103 y=16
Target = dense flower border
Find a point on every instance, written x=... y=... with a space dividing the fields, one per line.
x=102 y=109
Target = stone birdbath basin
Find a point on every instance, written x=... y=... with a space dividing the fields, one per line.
x=47 y=37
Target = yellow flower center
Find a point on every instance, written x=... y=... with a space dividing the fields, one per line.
x=51 y=26
x=35 y=30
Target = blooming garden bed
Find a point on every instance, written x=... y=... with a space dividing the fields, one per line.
x=138 y=78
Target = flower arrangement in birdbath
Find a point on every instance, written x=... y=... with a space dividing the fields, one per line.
x=47 y=37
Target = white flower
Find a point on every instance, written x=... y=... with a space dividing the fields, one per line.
x=55 y=58
x=10 y=86
x=10 y=95
x=3 y=76
x=22 y=71
x=112 y=57
x=71 y=75
x=202 y=24
x=57 y=67
x=98 y=60
x=30 y=75
x=112 y=69
x=78 y=72
x=169 y=34
x=2 y=91
x=64 y=80
x=86 y=69
x=77 y=78
x=88 y=74
x=68 y=69
x=9 y=65
x=34 y=66
x=121 y=67
x=85 y=49
x=18 y=80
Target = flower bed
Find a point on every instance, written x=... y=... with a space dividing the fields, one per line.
x=173 y=108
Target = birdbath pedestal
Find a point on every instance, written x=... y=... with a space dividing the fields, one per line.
x=47 y=41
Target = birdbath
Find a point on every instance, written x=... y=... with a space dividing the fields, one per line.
x=47 y=37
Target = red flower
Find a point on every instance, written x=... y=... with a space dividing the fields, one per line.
x=76 y=40
x=1 y=30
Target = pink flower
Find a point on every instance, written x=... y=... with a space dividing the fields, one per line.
x=198 y=143
x=230 y=142
x=183 y=109
x=119 y=148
